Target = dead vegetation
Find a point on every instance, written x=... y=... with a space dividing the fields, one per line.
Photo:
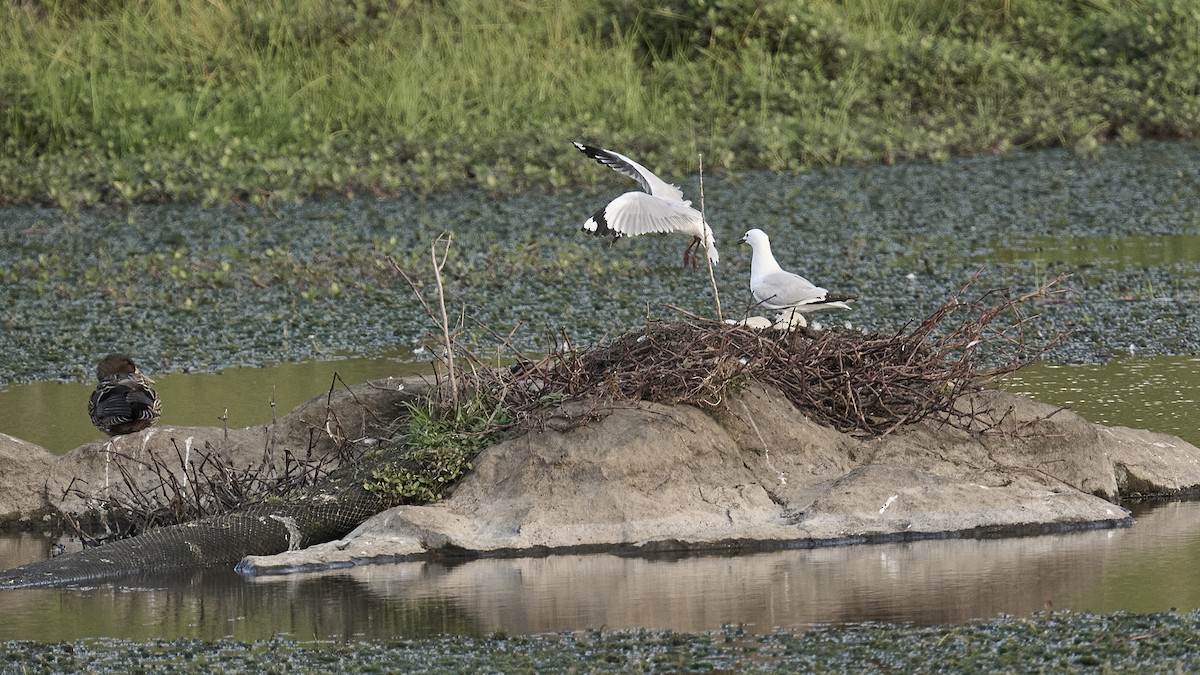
x=866 y=383
x=853 y=381
x=198 y=482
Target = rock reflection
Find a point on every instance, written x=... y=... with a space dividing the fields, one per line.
x=924 y=583
x=1148 y=567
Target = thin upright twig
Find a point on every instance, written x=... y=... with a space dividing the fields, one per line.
x=443 y=318
x=712 y=278
x=447 y=343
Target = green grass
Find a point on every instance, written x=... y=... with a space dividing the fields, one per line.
x=153 y=100
x=439 y=443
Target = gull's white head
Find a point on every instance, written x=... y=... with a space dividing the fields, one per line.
x=755 y=238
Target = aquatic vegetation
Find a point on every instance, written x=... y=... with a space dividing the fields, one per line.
x=206 y=288
x=1044 y=642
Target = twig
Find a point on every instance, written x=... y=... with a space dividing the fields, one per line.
x=855 y=382
x=442 y=319
x=712 y=278
x=447 y=343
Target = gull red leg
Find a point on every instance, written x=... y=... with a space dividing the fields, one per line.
x=690 y=253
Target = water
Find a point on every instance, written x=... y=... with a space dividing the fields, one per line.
x=54 y=414
x=1157 y=393
x=1127 y=226
x=1146 y=568
x=1160 y=394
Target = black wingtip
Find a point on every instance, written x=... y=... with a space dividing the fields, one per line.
x=599 y=154
x=598 y=225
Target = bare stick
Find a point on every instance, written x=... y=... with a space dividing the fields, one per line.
x=444 y=320
x=446 y=341
x=712 y=279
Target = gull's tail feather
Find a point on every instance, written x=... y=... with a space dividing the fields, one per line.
x=711 y=244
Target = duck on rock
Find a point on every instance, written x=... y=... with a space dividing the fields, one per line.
x=124 y=401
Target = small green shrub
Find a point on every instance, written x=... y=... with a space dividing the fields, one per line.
x=439 y=443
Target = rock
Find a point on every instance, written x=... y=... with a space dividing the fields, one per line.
x=644 y=477
x=38 y=482
x=80 y=480
x=23 y=469
x=652 y=478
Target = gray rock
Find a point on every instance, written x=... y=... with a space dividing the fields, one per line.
x=651 y=477
x=23 y=470
x=621 y=476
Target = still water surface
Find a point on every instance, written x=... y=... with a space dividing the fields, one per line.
x=54 y=414
x=1149 y=567
x=1157 y=393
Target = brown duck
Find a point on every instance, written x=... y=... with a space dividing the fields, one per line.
x=124 y=401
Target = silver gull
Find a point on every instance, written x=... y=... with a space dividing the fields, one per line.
x=777 y=289
x=661 y=208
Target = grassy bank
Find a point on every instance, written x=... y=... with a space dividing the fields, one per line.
x=151 y=100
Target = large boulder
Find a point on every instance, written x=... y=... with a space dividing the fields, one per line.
x=643 y=476
x=637 y=476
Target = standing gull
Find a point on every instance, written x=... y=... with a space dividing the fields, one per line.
x=661 y=208
x=787 y=293
x=123 y=402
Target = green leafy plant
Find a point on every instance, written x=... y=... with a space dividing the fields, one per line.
x=439 y=444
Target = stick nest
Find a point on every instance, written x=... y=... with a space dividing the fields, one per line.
x=866 y=383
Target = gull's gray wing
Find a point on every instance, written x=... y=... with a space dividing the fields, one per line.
x=780 y=290
x=622 y=164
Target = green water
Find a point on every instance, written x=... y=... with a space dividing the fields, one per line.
x=1158 y=393
x=54 y=414
x=1099 y=252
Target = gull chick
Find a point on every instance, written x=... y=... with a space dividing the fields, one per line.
x=661 y=208
x=124 y=401
x=784 y=292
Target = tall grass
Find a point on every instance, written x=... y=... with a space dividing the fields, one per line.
x=293 y=72
x=159 y=99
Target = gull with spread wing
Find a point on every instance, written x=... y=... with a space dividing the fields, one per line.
x=661 y=208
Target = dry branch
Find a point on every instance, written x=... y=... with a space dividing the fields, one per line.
x=846 y=379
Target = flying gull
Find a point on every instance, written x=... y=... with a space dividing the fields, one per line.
x=784 y=292
x=661 y=208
